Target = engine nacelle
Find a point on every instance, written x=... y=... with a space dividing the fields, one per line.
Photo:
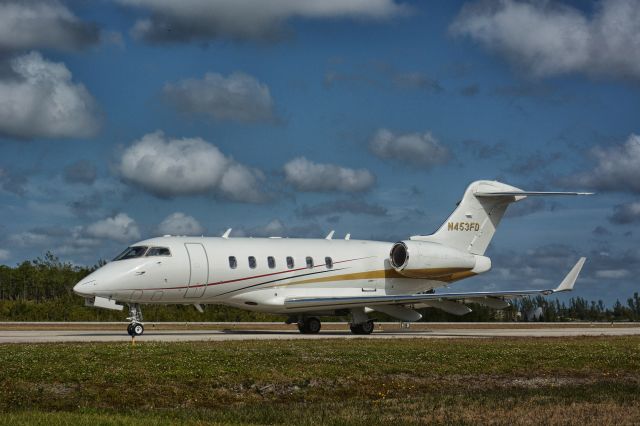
x=422 y=259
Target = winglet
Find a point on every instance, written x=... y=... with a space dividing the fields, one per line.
x=330 y=236
x=226 y=233
x=570 y=279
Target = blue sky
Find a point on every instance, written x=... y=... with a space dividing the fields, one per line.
x=121 y=120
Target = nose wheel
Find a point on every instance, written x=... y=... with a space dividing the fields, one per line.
x=135 y=328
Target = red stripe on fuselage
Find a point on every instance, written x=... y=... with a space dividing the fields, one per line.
x=240 y=279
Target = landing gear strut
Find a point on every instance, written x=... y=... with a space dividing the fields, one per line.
x=363 y=328
x=309 y=325
x=135 y=328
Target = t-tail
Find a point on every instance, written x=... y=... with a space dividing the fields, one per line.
x=473 y=223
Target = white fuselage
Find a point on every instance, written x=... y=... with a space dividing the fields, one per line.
x=307 y=278
x=199 y=271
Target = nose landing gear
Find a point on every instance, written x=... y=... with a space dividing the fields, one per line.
x=135 y=328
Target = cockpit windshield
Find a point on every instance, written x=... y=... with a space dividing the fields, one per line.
x=131 y=252
x=158 y=251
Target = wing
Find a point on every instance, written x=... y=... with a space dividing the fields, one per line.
x=360 y=301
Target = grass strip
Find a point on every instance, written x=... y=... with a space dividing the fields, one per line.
x=548 y=380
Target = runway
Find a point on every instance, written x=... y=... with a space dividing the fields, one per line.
x=115 y=332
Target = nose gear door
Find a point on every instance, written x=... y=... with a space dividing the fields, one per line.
x=199 y=270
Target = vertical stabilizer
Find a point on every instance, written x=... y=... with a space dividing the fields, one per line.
x=472 y=224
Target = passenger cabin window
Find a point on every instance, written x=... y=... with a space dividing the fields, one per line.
x=158 y=251
x=252 y=262
x=309 y=262
x=233 y=263
x=328 y=262
x=131 y=252
x=271 y=262
x=290 y=263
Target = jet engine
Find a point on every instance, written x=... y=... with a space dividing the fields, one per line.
x=423 y=259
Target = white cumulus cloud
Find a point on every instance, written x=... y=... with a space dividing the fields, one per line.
x=187 y=20
x=276 y=228
x=626 y=213
x=306 y=175
x=29 y=239
x=616 y=168
x=180 y=224
x=549 y=38
x=4 y=254
x=612 y=273
x=119 y=228
x=41 y=100
x=190 y=166
x=238 y=97
x=417 y=149
x=33 y=24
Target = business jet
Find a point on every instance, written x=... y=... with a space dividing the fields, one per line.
x=304 y=279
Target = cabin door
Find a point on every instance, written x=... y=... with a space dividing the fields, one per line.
x=199 y=264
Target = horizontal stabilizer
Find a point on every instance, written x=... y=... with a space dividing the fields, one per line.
x=526 y=193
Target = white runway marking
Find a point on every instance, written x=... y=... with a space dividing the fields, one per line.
x=80 y=335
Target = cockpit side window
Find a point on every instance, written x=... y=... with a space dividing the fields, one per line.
x=132 y=252
x=158 y=251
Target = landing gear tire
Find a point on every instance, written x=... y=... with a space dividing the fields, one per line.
x=364 y=328
x=138 y=329
x=135 y=329
x=310 y=326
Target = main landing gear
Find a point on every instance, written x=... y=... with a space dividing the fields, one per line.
x=309 y=325
x=360 y=322
x=363 y=328
x=135 y=328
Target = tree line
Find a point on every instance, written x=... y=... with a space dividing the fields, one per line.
x=42 y=290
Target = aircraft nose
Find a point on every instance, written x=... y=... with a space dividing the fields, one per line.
x=85 y=287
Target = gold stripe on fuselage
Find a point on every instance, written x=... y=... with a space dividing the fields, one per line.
x=457 y=276
x=437 y=274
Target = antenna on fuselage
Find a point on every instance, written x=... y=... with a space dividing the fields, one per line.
x=226 y=233
x=347 y=237
x=330 y=236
